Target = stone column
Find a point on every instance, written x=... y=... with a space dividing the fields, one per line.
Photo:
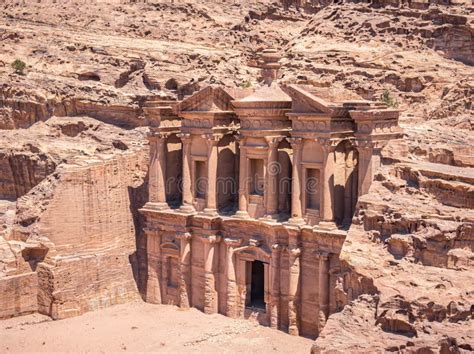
x=327 y=214
x=275 y=287
x=153 y=289
x=369 y=162
x=187 y=205
x=323 y=276
x=273 y=171
x=184 y=269
x=296 y=183
x=241 y=270
x=212 y=158
x=210 y=293
x=293 y=294
x=243 y=180
x=157 y=170
x=350 y=187
x=232 y=295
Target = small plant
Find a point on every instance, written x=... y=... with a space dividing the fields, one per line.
x=247 y=84
x=19 y=66
x=388 y=99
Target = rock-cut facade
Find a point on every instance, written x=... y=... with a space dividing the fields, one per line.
x=251 y=193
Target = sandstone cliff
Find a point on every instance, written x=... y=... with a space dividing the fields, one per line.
x=75 y=223
x=70 y=186
x=407 y=263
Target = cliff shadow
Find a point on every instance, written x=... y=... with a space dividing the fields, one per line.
x=138 y=196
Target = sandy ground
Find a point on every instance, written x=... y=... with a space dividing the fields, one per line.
x=142 y=327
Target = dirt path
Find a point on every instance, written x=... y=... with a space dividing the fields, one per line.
x=141 y=327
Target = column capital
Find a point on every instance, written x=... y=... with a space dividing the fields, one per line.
x=328 y=143
x=158 y=137
x=273 y=141
x=276 y=247
x=150 y=232
x=212 y=239
x=254 y=243
x=160 y=134
x=322 y=255
x=185 y=137
x=294 y=252
x=369 y=144
x=233 y=242
x=212 y=139
x=185 y=236
x=296 y=143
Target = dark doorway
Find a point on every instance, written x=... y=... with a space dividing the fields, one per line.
x=257 y=289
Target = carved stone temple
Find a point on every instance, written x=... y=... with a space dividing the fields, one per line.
x=251 y=193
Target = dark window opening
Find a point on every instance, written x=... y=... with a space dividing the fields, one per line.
x=172 y=271
x=312 y=188
x=200 y=180
x=257 y=289
x=256 y=177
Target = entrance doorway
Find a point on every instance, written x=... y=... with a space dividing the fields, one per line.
x=257 y=285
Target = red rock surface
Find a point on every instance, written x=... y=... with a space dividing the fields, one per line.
x=407 y=264
x=73 y=155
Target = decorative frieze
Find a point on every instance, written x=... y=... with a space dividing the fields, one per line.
x=266 y=124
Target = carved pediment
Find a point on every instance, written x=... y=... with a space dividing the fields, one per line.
x=169 y=249
x=209 y=99
x=253 y=252
x=305 y=102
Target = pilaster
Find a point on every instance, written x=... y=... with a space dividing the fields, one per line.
x=187 y=205
x=273 y=171
x=185 y=269
x=157 y=171
x=327 y=212
x=296 y=182
x=243 y=180
x=212 y=159
x=323 y=276
x=275 y=286
x=369 y=162
x=232 y=294
x=210 y=293
x=153 y=294
x=293 y=294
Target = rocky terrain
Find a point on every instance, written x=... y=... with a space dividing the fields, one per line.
x=415 y=291
x=73 y=152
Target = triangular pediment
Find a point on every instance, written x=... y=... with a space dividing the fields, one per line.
x=304 y=101
x=209 y=99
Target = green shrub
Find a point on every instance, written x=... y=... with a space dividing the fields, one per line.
x=246 y=84
x=387 y=98
x=19 y=66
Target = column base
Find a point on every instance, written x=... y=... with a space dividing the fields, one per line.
x=210 y=212
x=187 y=209
x=296 y=221
x=158 y=205
x=271 y=216
x=242 y=214
x=326 y=225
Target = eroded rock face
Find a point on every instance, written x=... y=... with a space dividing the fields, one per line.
x=75 y=223
x=415 y=291
x=89 y=263
x=408 y=256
